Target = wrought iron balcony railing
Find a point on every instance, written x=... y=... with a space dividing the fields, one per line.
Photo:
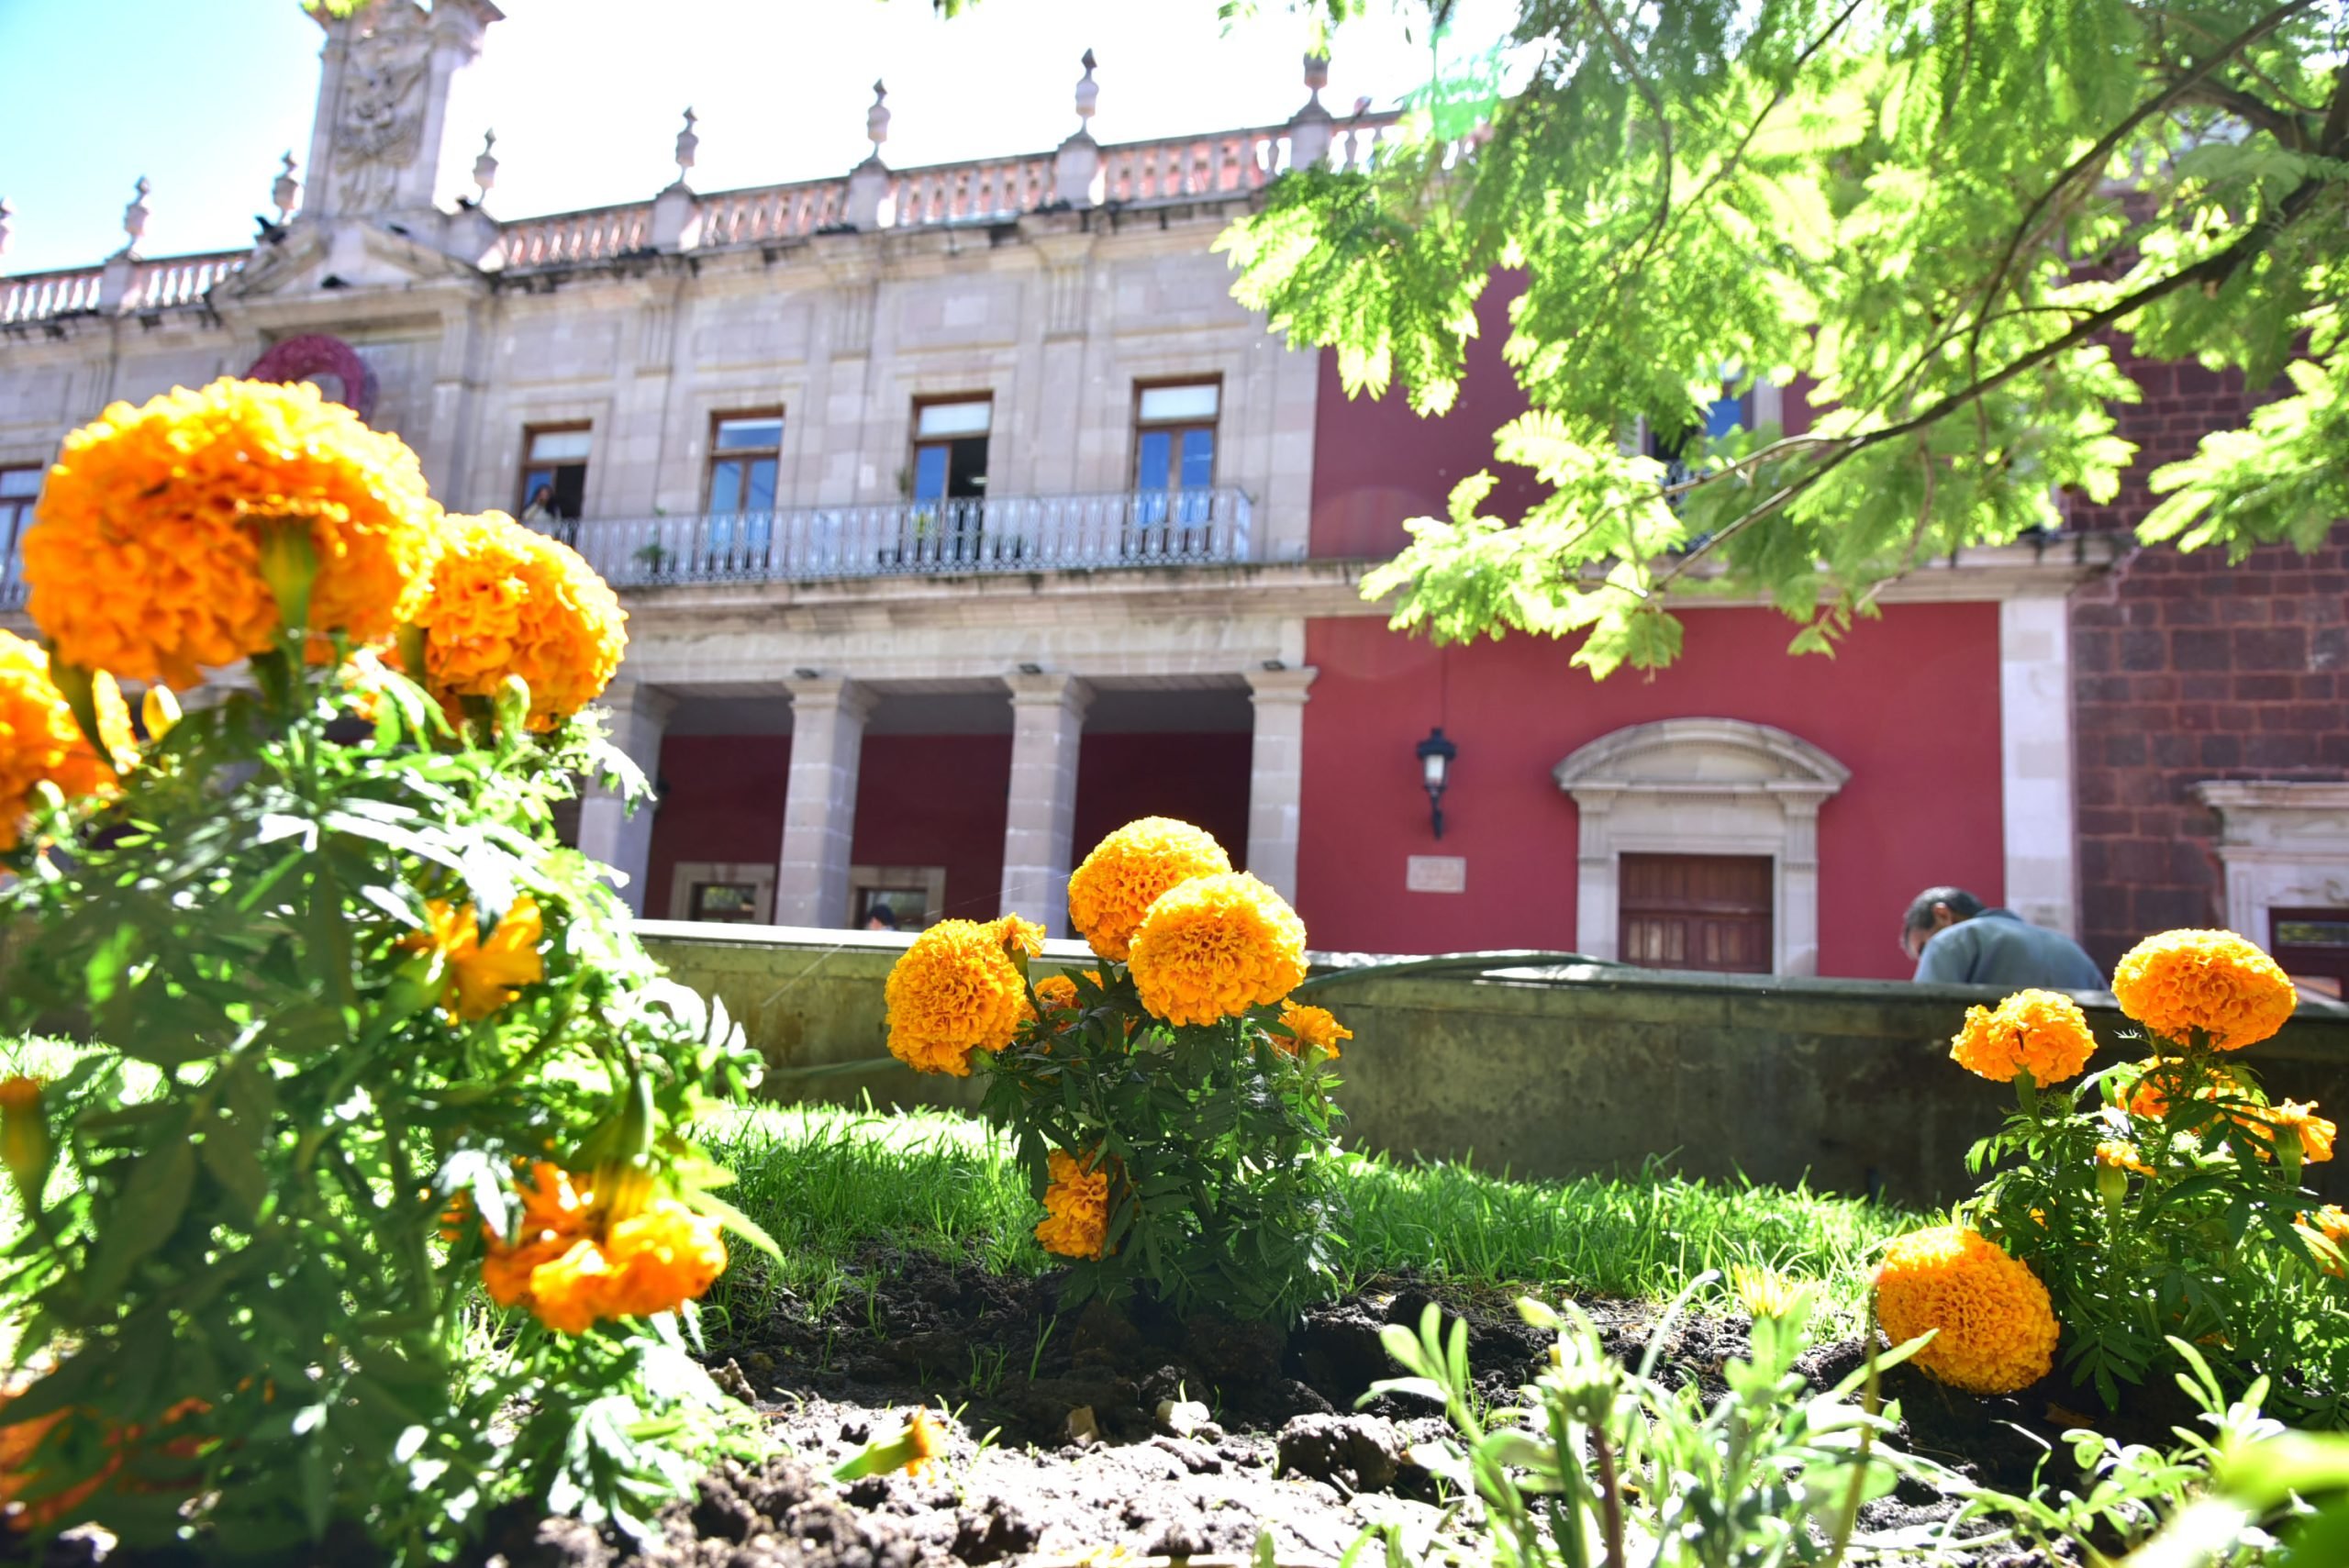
x=999 y=533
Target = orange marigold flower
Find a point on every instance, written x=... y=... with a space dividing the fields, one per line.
x=1017 y=937
x=1076 y=1208
x=2214 y=984
x=952 y=991
x=508 y=600
x=482 y=975
x=2040 y=1032
x=145 y=559
x=662 y=1256
x=2327 y=1233
x=1311 y=1025
x=1057 y=993
x=924 y=1441
x=2119 y=1155
x=2298 y=1116
x=1128 y=871
x=567 y=1292
x=39 y=739
x=1998 y=1331
x=1216 y=946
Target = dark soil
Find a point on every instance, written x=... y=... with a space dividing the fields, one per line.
x=1062 y=1448
x=1097 y=1434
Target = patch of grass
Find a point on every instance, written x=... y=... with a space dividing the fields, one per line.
x=827 y=1182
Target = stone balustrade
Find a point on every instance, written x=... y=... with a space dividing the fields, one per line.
x=1001 y=533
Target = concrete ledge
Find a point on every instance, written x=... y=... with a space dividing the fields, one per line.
x=1545 y=1069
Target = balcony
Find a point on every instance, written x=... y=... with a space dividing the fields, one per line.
x=933 y=539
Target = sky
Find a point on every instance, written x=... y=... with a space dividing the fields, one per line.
x=202 y=96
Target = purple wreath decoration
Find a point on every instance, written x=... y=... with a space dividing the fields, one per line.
x=315 y=353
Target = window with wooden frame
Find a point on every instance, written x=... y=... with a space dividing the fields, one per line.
x=744 y=450
x=554 y=472
x=1175 y=428
x=19 y=488
x=951 y=448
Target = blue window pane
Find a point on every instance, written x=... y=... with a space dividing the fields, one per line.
x=763 y=485
x=1199 y=458
x=1156 y=457
x=1726 y=415
x=725 y=488
x=930 y=473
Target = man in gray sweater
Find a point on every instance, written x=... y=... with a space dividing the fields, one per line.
x=1955 y=941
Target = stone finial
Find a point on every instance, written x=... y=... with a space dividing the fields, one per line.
x=1309 y=133
x=486 y=166
x=1088 y=95
x=6 y=212
x=286 y=190
x=134 y=217
x=877 y=119
x=1317 y=76
x=687 y=143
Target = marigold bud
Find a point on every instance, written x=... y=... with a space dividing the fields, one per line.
x=159 y=711
x=25 y=1147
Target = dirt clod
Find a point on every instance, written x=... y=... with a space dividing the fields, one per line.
x=1361 y=1453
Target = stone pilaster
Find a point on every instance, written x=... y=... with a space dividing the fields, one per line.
x=827 y=716
x=1046 y=726
x=608 y=830
x=2035 y=759
x=1276 y=775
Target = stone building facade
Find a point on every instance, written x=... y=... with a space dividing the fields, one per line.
x=961 y=513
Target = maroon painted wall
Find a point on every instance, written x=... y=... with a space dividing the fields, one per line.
x=2187 y=668
x=1198 y=779
x=723 y=803
x=1910 y=705
x=937 y=800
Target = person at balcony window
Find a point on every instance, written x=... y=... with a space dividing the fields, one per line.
x=1957 y=941
x=881 y=917
x=539 y=509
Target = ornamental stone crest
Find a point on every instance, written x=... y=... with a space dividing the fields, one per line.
x=379 y=124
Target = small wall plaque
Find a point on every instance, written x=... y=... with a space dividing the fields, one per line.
x=1436 y=874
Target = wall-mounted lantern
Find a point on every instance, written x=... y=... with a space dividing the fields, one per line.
x=1435 y=772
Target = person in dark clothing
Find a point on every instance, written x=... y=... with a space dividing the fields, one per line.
x=1957 y=941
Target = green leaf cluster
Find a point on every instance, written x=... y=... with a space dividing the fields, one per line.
x=280 y=1157
x=1934 y=219
x=1219 y=1141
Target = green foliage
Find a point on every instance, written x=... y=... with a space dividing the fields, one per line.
x=1218 y=1142
x=254 y=1167
x=1604 y=1463
x=1934 y=216
x=2203 y=1242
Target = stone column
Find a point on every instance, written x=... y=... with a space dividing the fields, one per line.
x=608 y=830
x=1276 y=775
x=1047 y=727
x=827 y=716
x=2035 y=759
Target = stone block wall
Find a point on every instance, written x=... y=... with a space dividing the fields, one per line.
x=2187 y=669
x=1844 y=1084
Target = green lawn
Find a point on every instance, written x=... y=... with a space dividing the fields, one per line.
x=827 y=1182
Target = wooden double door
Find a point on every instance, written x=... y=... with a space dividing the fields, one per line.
x=1699 y=912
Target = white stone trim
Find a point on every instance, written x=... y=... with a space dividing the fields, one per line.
x=1276 y=775
x=1702 y=786
x=2282 y=845
x=610 y=830
x=1040 y=820
x=2035 y=760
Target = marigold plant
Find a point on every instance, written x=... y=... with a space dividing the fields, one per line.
x=2043 y=1033
x=1994 y=1329
x=2160 y=1199
x=509 y=601
x=160 y=529
x=2209 y=987
x=349 y=1002
x=42 y=741
x=1124 y=876
x=1173 y=1112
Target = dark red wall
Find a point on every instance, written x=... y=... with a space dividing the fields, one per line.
x=1910 y=705
x=937 y=800
x=1198 y=779
x=2186 y=670
x=723 y=803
